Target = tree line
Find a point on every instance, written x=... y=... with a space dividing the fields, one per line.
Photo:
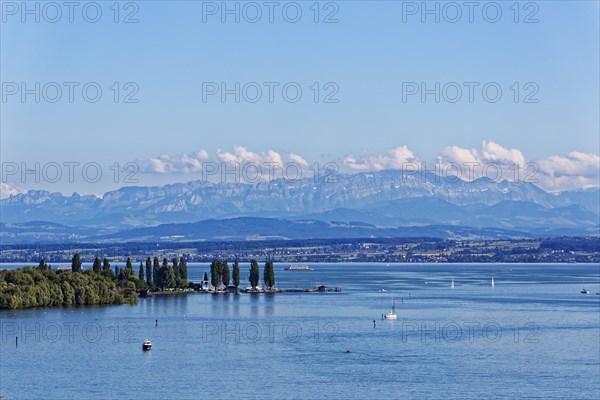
x=43 y=286
x=34 y=287
x=220 y=274
x=151 y=275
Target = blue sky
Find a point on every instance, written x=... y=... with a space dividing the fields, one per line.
x=369 y=55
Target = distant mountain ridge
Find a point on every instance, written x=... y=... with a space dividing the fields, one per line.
x=384 y=199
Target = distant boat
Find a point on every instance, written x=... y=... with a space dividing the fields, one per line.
x=392 y=313
x=382 y=290
x=493 y=281
x=585 y=291
x=147 y=345
x=452 y=284
x=298 y=268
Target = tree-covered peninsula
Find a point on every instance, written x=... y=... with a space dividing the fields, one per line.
x=43 y=286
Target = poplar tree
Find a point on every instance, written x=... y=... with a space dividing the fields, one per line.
x=269 y=275
x=141 y=273
x=97 y=267
x=149 y=279
x=254 y=273
x=236 y=274
x=76 y=263
x=225 y=277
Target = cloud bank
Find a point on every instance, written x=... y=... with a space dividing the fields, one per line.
x=575 y=170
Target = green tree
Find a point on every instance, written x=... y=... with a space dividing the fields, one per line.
x=97 y=265
x=141 y=272
x=269 y=275
x=254 y=273
x=236 y=274
x=155 y=268
x=225 y=276
x=76 y=263
x=105 y=265
x=128 y=268
x=166 y=277
x=183 y=268
x=215 y=274
x=106 y=270
x=176 y=267
x=170 y=278
x=149 y=280
x=42 y=265
x=122 y=275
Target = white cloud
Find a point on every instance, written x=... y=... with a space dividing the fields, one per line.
x=459 y=155
x=489 y=152
x=240 y=155
x=8 y=189
x=575 y=171
x=556 y=173
x=492 y=151
x=491 y=160
x=180 y=164
x=298 y=159
x=271 y=163
x=395 y=159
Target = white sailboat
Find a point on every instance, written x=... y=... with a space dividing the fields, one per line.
x=493 y=281
x=452 y=284
x=392 y=314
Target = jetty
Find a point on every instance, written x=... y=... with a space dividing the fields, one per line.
x=318 y=289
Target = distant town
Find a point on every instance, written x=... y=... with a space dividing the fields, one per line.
x=392 y=250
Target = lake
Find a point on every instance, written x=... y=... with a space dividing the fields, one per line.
x=532 y=335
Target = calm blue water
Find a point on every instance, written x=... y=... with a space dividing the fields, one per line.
x=532 y=336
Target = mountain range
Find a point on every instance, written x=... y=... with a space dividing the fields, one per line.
x=374 y=204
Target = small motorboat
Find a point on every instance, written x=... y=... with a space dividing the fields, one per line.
x=585 y=291
x=147 y=345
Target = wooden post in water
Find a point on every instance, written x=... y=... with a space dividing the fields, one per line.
x=16 y=341
x=156 y=322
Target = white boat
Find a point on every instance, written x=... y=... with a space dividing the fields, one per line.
x=493 y=281
x=147 y=345
x=585 y=291
x=392 y=313
x=298 y=268
x=452 y=284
